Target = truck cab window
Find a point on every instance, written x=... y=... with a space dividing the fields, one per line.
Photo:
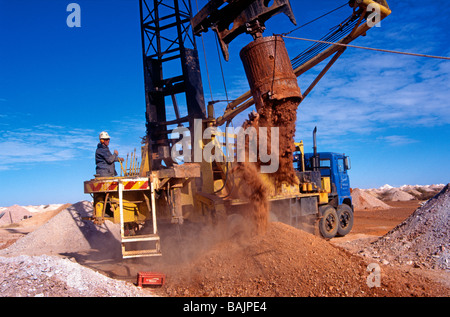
x=341 y=165
x=325 y=167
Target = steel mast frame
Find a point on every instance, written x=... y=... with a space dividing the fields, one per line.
x=168 y=43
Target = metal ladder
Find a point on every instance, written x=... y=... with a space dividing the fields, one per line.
x=150 y=238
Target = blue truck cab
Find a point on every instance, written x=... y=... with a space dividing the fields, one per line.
x=335 y=166
x=326 y=173
x=336 y=215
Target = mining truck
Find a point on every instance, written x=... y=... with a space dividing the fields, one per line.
x=174 y=181
x=328 y=171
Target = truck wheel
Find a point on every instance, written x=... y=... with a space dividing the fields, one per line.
x=345 y=216
x=328 y=223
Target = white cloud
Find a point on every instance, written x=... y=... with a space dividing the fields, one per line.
x=366 y=92
x=397 y=140
x=42 y=143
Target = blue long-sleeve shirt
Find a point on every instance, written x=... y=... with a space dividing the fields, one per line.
x=104 y=161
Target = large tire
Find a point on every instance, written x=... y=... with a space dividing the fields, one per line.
x=345 y=216
x=328 y=223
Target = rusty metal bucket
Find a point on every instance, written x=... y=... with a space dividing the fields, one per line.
x=269 y=70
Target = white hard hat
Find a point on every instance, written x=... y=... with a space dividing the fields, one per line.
x=104 y=135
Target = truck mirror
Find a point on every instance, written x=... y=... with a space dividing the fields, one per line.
x=347 y=164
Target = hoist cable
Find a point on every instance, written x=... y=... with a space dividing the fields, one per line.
x=314 y=20
x=334 y=35
x=370 y=48
x=221 y=68
x=206 y=63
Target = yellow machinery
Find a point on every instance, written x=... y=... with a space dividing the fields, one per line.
x=198 y=189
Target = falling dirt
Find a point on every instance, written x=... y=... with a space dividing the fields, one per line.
x=255 y=191
x=280 y=114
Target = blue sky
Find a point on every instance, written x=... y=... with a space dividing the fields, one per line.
x=61 y=86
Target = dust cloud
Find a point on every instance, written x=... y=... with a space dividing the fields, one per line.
x=281 y=114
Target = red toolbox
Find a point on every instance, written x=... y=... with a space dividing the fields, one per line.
x=150 y=278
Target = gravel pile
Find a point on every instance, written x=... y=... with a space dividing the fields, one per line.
x=68 y=233
x=286 y=262
x=405 y=192
x=52 y=276
x=363 y=200
x=13 y=214
x=38 y=265
x=395 y=194
x=423 y=238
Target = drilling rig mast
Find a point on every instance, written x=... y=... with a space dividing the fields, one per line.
x=172 y=99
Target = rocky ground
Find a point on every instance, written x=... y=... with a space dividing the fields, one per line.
x=290 y=262
x=35 y=257
x=422 y=239
x=57 y=253
x=53 y=276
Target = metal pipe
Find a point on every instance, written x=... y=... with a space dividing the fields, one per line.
x=315 y=159
x=152 y=190
x=122 y=229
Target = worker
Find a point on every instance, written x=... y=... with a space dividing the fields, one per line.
x=104 y=160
